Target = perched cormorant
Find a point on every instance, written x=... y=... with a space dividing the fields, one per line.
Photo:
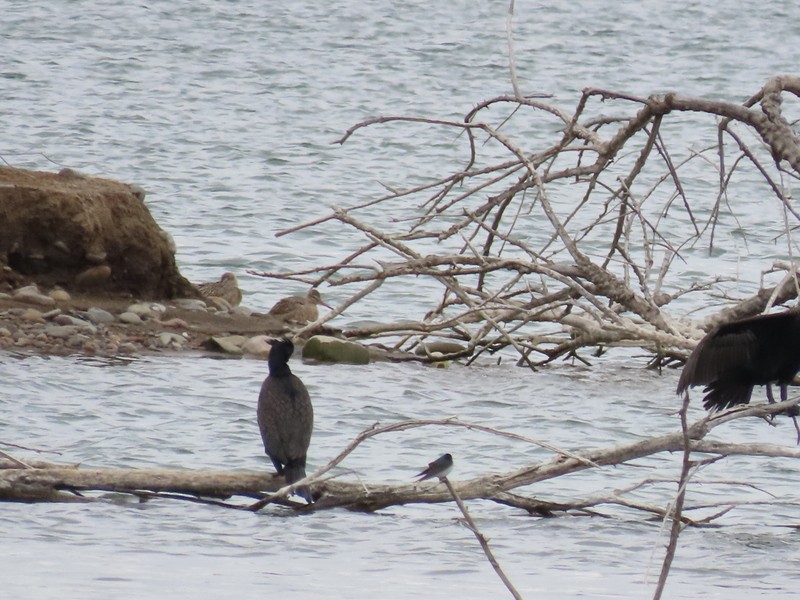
x=298 y=309
x=285 y=417
x=226 y=288
x=733 y=358
x=438 y=468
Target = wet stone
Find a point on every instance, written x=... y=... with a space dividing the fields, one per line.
x=60 y=331
x=142 y=309
x=31 y=295
x=130 y=318
x=230 y=344
x=242 y=311
x=31 y=314
x=59 y=295
x=257 y=346
x=99 y=316
x=331 y=349
x=175 y=323
x=70 y=320
x=190 y=304
x=77 y=340
x=171 y=340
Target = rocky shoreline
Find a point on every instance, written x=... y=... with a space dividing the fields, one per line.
x=86 y=270
x=58 y=323
x=54 y=322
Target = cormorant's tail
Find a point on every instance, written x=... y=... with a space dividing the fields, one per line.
x=295 y=470
x=721 y=395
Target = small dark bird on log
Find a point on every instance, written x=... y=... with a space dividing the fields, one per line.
x=285 y=417
x=733 y=358
x=438 y=468
x=298 y=309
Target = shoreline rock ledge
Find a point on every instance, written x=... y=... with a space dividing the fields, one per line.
x=84 y=234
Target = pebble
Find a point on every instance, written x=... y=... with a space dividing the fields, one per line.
x=242 y=311
x=70 y=320
x=142 y=309
x=257 y=345
x=190 y=304
x=127 y=348
x=230 y=344
x=77 y=340
x=52 y=313
x=4 y=332
x=130 y=318
x=31 y=314
x=171 y=340
x=99 y=316
x=59 y=295
x=175 y=323
x=30 y=293
x=60 y=331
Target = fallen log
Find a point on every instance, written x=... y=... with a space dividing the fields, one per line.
x=44 y=482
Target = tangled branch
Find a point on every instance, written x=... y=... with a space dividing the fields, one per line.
x=575 y=245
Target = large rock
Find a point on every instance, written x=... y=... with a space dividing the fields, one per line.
x=56 y=228
x=330 y=349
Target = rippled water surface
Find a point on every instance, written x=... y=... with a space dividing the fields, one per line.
x=225 y=113
x=198 y=413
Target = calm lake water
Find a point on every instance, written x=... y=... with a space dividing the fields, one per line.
x=225 y=112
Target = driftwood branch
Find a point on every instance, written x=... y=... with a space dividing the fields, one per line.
x=522 y=268
x=47 y=482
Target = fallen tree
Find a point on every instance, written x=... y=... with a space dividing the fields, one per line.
x=574 y=246
x=45 y=482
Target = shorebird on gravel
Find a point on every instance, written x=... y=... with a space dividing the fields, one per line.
x=299 y=309
x=226 y=288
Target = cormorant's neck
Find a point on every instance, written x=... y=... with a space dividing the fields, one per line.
x=279 y=369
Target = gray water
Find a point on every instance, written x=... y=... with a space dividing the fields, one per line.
x=225 y=112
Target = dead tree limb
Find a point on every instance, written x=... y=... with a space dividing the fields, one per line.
x=574 y=243
x=48 y=483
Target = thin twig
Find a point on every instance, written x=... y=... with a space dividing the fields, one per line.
x=473 y=527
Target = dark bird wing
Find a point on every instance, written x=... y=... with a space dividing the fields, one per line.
x=718 y=354
x=737 y=356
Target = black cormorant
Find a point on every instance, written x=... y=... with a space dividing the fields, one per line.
x=285 y=416
x=733 y=358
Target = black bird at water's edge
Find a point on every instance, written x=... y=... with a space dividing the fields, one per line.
x=285 y=417
x=735 y=357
